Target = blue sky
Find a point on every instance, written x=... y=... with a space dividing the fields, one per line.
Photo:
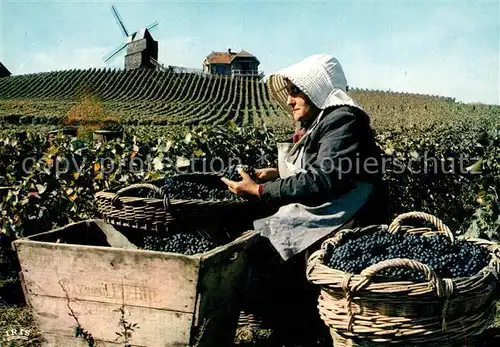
x=449 y=48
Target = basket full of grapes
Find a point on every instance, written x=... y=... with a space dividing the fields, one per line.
x=109 y=130
x=405 y=286
x=188 y=199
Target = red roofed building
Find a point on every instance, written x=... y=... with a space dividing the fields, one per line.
x=232 y=64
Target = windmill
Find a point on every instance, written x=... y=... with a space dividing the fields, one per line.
x=142 y=49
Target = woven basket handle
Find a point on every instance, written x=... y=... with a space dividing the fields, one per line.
x=434 y=280
x=314 y=260
x=441 y=227
x=159 y=191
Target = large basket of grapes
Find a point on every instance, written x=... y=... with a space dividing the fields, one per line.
x=405 y=286
x=183 y=200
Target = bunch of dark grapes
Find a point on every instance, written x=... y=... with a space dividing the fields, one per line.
x=189 y=190
x=231 y=172
x=183 y=243
x=448 y=260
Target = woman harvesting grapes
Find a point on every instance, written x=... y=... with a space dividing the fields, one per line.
x=328 y=177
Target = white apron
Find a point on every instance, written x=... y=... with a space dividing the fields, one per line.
x=295 y=227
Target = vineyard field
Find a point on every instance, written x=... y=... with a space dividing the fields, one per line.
x=152 y=97
x=442 y=157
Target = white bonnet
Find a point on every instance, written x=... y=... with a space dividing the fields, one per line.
x=319 y=76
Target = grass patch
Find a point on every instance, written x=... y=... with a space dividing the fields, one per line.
x=17 y=323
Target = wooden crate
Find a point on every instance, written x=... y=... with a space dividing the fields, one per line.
x=90 y=271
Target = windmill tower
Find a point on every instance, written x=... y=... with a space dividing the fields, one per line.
x=142 y=49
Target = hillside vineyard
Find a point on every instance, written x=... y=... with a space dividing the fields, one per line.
x=154 y=97
x=146 y=96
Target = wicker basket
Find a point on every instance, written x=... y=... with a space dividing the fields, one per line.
x=107 y=135
x=66 y=130
x=70 y=130
x=368 y=310
x=160 y=213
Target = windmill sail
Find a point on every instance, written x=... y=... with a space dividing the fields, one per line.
x=119 y=20
x=114 y=52
x=152 y=26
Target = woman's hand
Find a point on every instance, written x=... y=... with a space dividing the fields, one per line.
x=244 y=187
x=268 y=174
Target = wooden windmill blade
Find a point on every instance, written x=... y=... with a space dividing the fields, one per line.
x=152 y=26
x=119 y=21
x=109 y=56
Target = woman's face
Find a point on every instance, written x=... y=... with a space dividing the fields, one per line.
x=302 y=108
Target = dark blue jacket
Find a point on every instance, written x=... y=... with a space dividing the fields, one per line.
x=341 y=150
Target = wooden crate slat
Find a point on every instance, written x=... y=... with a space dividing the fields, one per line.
x=101 y=320
x=110 y=275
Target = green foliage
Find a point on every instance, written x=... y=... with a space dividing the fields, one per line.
x=79 y=332
x=427 y=172
x=424 y=166
x=126 y=328
x=52 y=185
x=18 y=322
x=486 y=218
